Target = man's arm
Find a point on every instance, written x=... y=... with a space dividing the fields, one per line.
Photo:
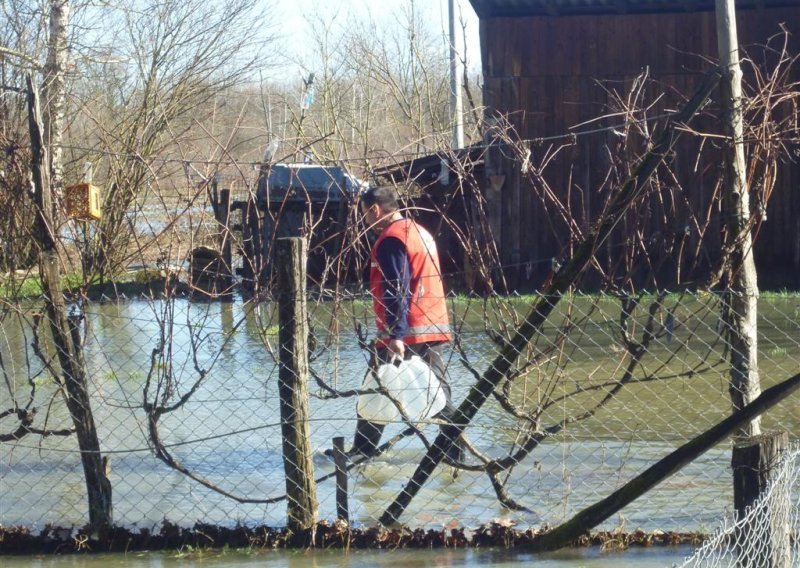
x=396 y=272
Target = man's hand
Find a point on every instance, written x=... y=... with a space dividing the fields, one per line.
x=397 y=347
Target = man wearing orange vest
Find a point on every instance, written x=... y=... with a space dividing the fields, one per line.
x=408 y=300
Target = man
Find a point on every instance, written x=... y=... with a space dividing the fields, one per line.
x=408 y=300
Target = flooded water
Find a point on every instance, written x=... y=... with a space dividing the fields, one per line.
x=227 y=431
x=591 y=558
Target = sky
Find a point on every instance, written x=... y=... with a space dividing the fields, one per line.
x=294 y=14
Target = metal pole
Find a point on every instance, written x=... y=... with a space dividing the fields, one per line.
x=456 y=73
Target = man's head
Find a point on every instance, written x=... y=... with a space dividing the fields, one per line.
x=380 y=206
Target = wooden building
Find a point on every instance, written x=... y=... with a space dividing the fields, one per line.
x=442 y=198
x=553 y=66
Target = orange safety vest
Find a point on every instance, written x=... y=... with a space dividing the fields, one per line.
x=427 y=311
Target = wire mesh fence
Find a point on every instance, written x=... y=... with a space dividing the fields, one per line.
x=185 y=397
x=767 y=535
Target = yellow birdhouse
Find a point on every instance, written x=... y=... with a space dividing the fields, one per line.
x=83 y=202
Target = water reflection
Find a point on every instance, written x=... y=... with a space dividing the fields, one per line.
x=485 y=558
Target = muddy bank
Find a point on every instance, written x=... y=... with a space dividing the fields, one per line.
x=60 y=540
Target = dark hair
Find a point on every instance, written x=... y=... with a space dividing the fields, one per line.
x=385 y=196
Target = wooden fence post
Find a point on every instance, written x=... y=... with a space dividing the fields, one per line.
x=753 y=460
x=301 y=491
x=340 y=460
x=227 y=255
x=251 y=246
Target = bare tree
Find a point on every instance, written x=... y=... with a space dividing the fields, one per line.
x=381 y=85
x=70 y=373
x=23 y=41
x=172 y=60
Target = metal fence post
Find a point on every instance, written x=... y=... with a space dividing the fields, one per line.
x=293 y=384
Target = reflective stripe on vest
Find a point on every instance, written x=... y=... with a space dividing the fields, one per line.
x=422 y=330
x=427 y=314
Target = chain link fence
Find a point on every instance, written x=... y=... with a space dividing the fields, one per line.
x=607 y=387
x=767 y=534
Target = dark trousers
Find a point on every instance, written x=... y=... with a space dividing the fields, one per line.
x=368 y=434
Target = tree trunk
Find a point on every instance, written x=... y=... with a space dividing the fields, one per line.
x=741 y=303
x=66 y=335
x=54 y=92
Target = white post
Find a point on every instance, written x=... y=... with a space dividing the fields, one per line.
x=54 y=93
x=456 y=74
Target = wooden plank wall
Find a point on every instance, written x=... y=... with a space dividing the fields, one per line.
x=552 y=73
